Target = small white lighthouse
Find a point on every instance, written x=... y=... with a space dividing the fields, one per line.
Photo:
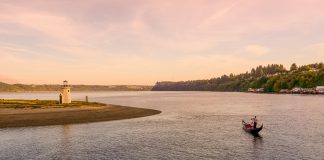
x=65 y=96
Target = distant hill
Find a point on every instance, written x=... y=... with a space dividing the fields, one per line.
x=272 y=78
x=25 y=88
x=9 y=88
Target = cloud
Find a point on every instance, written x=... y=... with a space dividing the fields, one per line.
x=111 y=40
x=257 y=50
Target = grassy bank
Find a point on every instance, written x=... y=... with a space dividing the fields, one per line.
x=23 y=113
x=33 y=104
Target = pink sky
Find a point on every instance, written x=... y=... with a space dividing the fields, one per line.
x=144 y=41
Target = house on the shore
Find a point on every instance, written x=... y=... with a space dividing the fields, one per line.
x=284 y=91
x=251 y=90
x=320 y=89
x=296 y=90
x=308 y=90
x=258 y=90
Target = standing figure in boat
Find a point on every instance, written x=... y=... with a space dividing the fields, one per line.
x=254 y=122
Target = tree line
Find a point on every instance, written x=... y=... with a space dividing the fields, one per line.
x=272 y=78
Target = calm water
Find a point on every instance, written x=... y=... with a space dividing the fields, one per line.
x=193 y=125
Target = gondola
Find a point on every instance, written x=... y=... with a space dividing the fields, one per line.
x=251 y=129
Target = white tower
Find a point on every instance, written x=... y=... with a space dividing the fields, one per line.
x=66 y=92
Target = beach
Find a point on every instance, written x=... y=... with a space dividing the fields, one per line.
x=41 y=115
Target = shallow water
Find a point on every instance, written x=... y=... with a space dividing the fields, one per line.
x=192 y=125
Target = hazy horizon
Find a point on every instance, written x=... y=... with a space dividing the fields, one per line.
x=140 y=42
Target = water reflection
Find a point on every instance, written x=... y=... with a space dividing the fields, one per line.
x=257 y=146
x=66 y=131
x=66 y=141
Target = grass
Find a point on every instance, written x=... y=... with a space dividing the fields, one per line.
x=24 y=113
x=17 y=104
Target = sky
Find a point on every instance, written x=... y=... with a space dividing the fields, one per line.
x=114 y=42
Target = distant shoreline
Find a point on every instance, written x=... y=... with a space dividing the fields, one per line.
x=21 y=116
x=246 y=92
x=58 y=91
x=4 y=87
x=284 y=93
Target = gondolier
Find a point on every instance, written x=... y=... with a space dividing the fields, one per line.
x=254 y=122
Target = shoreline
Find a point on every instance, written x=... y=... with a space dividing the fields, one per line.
x=169 y=91
x=285 y=93
x=27 y=117
x=245 y=92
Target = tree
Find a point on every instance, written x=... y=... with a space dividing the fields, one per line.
x=293 y=67
x=304 y=68
x=253 y=72
x=259 y=71
x=277 y=86
x=321 y=66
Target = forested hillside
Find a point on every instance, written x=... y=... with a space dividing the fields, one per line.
x=272 y=78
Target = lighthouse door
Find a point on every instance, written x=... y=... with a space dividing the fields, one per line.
x=60 y=98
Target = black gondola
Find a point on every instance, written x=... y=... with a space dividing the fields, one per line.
x=251 y=129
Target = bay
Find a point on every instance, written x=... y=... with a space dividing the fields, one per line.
x=192 y=125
